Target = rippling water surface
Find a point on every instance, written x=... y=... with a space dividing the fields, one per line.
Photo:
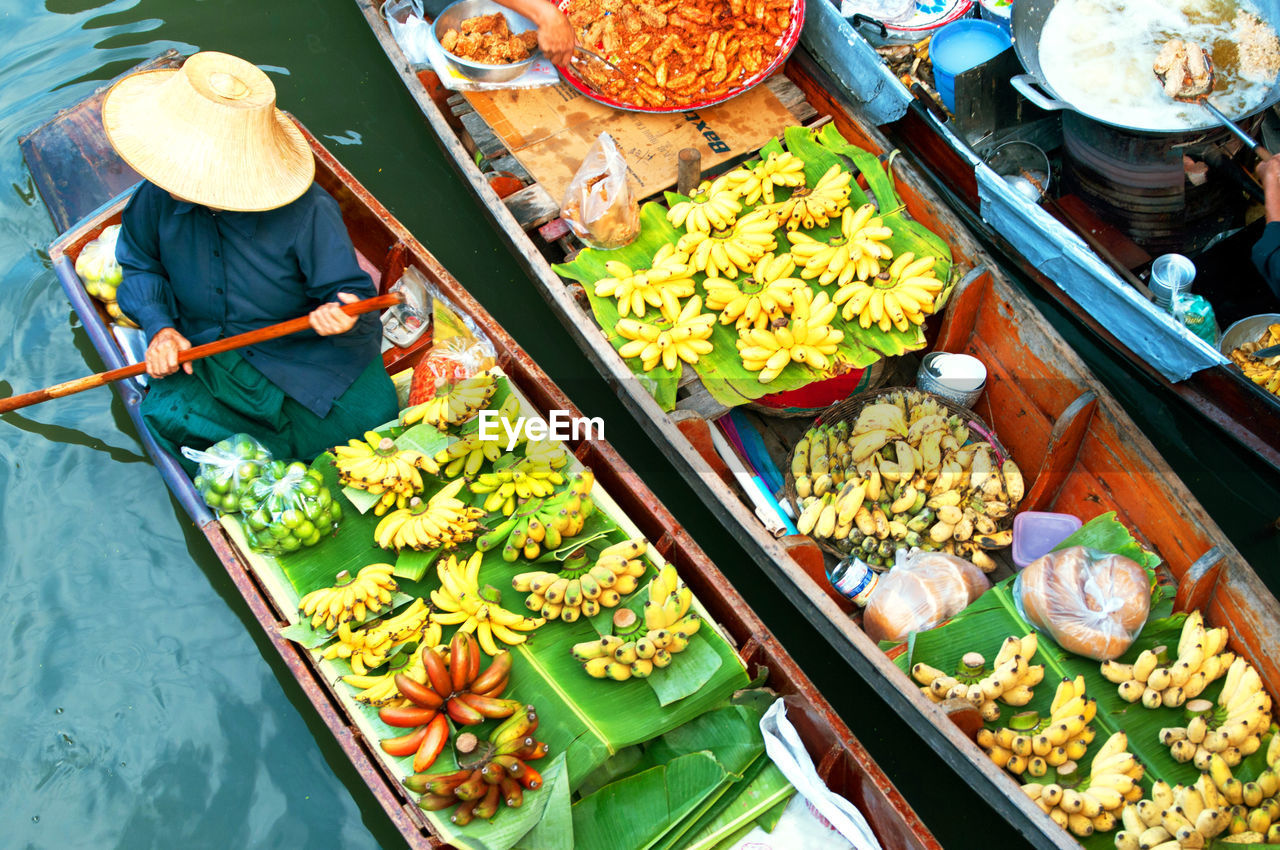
x=139 y=705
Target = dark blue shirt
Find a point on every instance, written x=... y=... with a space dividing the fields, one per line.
x=212 y=274
x=1266 y=256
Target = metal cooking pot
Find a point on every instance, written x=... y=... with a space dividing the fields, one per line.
x=1028 y=23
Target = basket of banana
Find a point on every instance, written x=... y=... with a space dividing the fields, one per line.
x=904 y=469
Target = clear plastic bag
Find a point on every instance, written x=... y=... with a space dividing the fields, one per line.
x=459 y=349
x=293 y=509
x=1091 y=603
x=97 y=265
x=600 y=205
x=226 y=471
x=887 y=11
x=921 y=592
x=409 y=29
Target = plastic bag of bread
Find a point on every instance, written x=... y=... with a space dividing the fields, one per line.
x=1091 y=603
x=921 y=592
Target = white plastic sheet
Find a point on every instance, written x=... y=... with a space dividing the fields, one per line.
x=832 y=817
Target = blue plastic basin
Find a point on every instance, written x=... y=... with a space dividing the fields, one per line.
x=959 y=46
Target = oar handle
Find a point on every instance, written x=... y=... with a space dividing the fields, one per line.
x=218 y=346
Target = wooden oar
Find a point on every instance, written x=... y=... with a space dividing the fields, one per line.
x=218 y=346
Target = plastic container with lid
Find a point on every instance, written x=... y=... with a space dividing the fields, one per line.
x=1035 y=533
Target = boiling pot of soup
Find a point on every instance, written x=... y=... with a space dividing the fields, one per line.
x=1096 y=57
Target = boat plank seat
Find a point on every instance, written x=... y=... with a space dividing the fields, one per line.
x=1072 y=211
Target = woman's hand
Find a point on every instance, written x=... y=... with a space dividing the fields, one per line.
x=162 y=353
x=329 y=320
x=555 y=35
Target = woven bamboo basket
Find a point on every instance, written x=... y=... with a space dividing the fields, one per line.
x=848 y=411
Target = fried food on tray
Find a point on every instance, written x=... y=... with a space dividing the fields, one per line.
x=487 y=39
x=678 y=52
x=1264 y=373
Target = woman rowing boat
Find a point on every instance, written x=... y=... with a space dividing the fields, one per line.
x=229 y=233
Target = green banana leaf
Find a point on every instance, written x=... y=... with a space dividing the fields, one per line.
x=994 y=616
x=760 y=802
x=635 y=811
x=721 y=371
x=554 y=829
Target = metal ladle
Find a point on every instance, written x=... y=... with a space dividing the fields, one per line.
x=1203 y=100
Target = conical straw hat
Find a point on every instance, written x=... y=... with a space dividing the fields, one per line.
x=210 y=133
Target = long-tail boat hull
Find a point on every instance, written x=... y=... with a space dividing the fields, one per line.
x=1082 y=453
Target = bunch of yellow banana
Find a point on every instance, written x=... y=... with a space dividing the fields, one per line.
x=898 y=297
x=724 y=253
x=1034 y=744
x=1175 y=817
x=350 y=597
x=539 y=523
x=1010 y=679
x=761 y=299
x=806 y=338
x=1235 y=812
x=463 y=603
x=1157 y=681
x=637 y=646
x=370 y=647
x=465 y=455
x=853 y=255
x=1232 y=729
x=441 y=522
x=686 y=338
x=755 y=184
x=1218 y=806
x=458 y=403
x=1097 y=804
x=376 y=465
x=708 y=208
x=809 y=208
x=662 y=285
x=580 y=588
x=519 y=480
x=381 y=690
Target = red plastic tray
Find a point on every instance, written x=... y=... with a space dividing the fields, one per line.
x=789 y=40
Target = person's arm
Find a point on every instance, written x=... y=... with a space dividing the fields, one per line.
x=555 y=33
x=328 y=262
x=145 y=294
x=1266 y=251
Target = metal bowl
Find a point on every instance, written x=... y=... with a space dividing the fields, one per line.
x=451 y=18
x=1248 y=329
x=929 y=381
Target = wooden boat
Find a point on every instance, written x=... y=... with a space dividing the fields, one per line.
x=1075 y=442
x=85 y=186
x=1085 y=263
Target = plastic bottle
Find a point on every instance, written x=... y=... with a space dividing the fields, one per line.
x=854 y=578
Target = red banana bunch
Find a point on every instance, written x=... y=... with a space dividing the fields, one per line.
x=498 y=773
x=455 y=689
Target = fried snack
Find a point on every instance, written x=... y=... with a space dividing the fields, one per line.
x=677 y=52
x=1264 y=373
x=488 y=40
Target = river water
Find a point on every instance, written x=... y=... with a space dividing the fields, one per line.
x=139 y=705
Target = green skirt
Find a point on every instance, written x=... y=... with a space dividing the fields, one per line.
x=225 y=395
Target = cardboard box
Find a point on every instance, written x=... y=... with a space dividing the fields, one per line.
x=549 y=130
